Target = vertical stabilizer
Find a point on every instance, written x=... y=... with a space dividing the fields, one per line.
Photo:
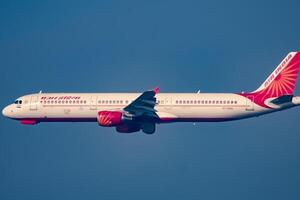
x=283 y=79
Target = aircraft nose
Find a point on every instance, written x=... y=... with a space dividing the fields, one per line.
x=5 y=112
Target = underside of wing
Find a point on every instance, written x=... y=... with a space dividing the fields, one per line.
x=138 y=115
x=282 y=99
x=143 y=106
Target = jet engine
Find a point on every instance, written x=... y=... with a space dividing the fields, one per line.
x=122 y=121
x=109 y=118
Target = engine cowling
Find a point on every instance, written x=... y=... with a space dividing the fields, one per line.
x=109 y=118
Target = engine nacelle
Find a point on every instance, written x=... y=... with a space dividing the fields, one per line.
x=109 y=118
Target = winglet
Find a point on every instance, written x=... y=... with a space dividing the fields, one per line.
x=156 y=90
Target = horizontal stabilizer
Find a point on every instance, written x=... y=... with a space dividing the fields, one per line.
x=282 y=99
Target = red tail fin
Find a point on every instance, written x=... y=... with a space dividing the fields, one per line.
x=283 y=79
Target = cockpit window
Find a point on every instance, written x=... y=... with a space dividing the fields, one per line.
x=18 y=102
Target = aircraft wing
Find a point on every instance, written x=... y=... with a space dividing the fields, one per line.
x=144 y=104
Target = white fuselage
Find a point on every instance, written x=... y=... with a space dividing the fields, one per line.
x=171 y=107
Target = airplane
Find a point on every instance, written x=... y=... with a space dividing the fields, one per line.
x=132 y=112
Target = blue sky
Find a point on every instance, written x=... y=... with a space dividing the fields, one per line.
x=132 y=46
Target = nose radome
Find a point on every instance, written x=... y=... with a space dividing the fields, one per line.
x=4 y=112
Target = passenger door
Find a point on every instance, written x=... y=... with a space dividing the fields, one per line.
x=93 y=103
x=250 y=103
x=168 y=103
x=34 y=100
